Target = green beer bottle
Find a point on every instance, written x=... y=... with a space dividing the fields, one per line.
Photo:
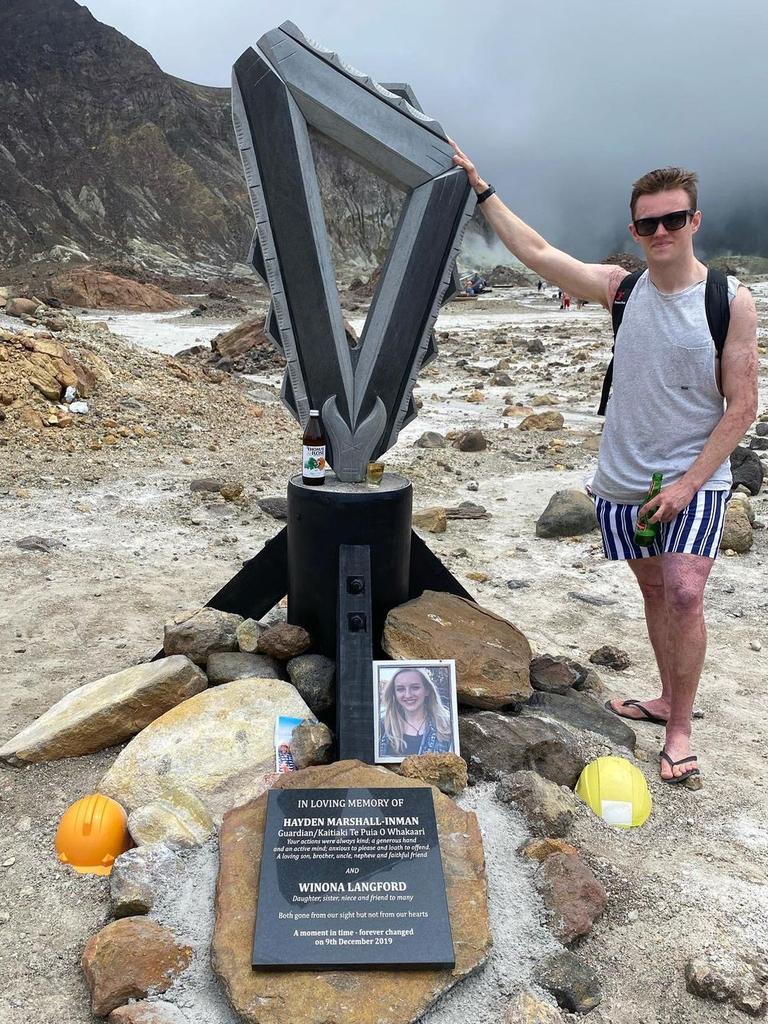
x=645 y=532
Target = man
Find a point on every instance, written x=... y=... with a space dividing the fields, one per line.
x=666 y=414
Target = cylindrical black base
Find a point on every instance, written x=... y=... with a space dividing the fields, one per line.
x=320 y=520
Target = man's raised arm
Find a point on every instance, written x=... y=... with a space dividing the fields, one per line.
x=595 y=282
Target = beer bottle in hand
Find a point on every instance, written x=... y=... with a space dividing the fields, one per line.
x=646 y=532
x=313 y=457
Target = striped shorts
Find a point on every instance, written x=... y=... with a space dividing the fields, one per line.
x=696 y=530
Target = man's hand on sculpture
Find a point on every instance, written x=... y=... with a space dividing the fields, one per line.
x=463 y=161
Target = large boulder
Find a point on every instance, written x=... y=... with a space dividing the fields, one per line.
x=97 y=289
x=549 y=809
x=492 y=656
x=314 y=677
x=201 y=632
x=495 y=745
x=737 y=529
x=582 y=712
x=50 y=367
x=746 y=469
x=242 y=338
x=226 y=666
x=351 y=996
x=106 y=712
x=219 y=745
x=129 y=959
x=21 y=307
x=568 y=514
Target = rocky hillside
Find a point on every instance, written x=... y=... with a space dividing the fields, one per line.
x=103 y=153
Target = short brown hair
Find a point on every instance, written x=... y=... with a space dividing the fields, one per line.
x=662 y=180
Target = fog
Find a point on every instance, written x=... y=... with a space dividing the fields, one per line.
x=561 y=106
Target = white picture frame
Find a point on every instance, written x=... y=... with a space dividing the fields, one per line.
x=399 y=707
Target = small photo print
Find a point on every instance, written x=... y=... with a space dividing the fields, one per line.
x=284 y=726
x=415 y=709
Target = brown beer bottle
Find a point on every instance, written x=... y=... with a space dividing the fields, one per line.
x=313 y=453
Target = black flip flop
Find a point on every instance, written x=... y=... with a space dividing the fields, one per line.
x=648 y=716
x=677 y=779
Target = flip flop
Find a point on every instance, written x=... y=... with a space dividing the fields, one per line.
x=677 y=779
x=648 y=716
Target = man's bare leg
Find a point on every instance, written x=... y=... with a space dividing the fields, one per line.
x=650 y=577
x=685 y=578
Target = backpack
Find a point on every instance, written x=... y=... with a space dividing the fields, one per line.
x=716 y=304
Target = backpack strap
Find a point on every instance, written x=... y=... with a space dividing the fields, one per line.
x=617 y=315
x=718 y=307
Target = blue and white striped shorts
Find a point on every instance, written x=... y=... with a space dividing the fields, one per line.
x=695 y=531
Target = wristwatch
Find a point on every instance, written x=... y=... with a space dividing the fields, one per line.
x=490 y=191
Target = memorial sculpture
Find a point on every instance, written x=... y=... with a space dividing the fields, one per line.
x=348 y=554
x=365 y=393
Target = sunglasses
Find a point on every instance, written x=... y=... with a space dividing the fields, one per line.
x=646 y=226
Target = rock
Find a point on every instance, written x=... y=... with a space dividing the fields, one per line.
x=526 y=1008
x=129 y=959
x=145 y=1012
x=200 y=633
x=582 y=712
x=34 y=543
x=248 y=633
x=572 y=983
x=351 y=996
x=218 y=746
x=502 y=380
x=571 y=893
x=276 y=507
x=430 y=439
x=540 y=400
x=245 y=336
x=468 y=509
x=746 y=469
x=492 y=656
x=471 y=441
x=97 y=289
x=725 y=975
x=314 y=676
x=611 y=657
x=568 y=514
x=553 y=675
x=475 y=397
x=232 y=490
x=433 y=520
x=495 y=745
x=284 y=641
x=105 y=712
x=549 y=809
x=180 y=820
x=742 y=499
x=206 y=484
x=446 y=771
x=226 y=666
x=591 y=443
x=136 y=875
x=542 y=421
x=21 y=307
x=311 y=743
x=540 y=849
x=536 y=347
x=737 y=530
x=597 y=600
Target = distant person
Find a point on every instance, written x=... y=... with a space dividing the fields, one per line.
x=566 y=303
x=677 y=408
x=539 y=286
x=477 y=284
x=414 y=719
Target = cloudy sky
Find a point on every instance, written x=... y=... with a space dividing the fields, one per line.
x=561 y=105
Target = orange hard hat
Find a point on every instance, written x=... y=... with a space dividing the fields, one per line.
x=92 y=833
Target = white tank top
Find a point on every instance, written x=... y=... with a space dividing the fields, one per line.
x=665 y=401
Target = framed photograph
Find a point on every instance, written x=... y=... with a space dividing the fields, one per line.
x=284 y=726
x=415 y=709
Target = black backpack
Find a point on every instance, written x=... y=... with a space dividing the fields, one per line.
x=716 y=304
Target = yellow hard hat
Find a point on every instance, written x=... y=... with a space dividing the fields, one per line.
x=92 y=833
x=616 y=791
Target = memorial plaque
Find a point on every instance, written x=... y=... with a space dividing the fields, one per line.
x=352 y=878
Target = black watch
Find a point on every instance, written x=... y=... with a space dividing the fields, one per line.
x=490 y=191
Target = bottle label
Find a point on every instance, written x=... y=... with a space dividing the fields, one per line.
x=313 y=461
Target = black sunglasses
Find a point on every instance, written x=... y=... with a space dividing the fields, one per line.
x=647 y=226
